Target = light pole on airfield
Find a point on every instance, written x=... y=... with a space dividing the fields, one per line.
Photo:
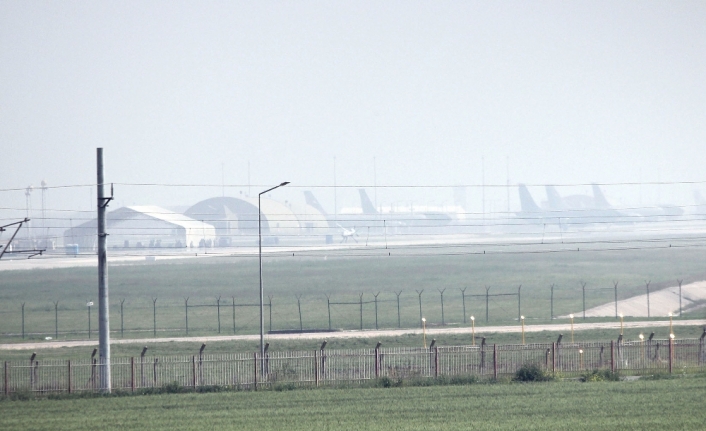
x=262 y=292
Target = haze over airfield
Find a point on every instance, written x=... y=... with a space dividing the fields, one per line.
x=195 y=92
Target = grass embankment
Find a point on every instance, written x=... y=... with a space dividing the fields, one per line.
x=344 y=279
x=635 y=405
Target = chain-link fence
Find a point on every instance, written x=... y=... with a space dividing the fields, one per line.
x=326 y=367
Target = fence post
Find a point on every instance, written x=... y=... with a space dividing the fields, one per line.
x=255 y=368
x=193 y=371
x=218 y=308
x=323 y=358
x=69 y=375
x=56 y=320
x=553 y=358
x=612 y=356
x=377 y=361
x=546 y=359
x=154 y=316
x=671 y=354
x=186 y=313
x=154 y=372
x=316 y=368
x=495 y=361
x=487 y=303
x=361 y=311
x=680 y=309
x=132 y=373
x=269 y=305
x=482 y=356
x=233 y=314
x=299 y=306
x=436 y=362
x=122 y=327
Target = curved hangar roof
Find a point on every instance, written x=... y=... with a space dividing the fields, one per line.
x=238 y=216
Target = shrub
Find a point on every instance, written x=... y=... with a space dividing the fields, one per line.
x=600 y=376
x=532 y=373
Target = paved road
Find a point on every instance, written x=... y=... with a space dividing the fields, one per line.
x=480 y=330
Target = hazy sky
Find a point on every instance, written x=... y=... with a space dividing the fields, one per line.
x=176 y=92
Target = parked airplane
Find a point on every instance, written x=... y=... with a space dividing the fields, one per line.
x=576 y=209
x=646 y=213
x=373 y=219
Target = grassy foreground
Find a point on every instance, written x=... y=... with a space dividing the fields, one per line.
x=644 y=404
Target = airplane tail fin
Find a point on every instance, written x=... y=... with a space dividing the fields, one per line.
x=526 y=201
x=555 y=201
x=313 y=202
x=599 y=198
x=365 y=203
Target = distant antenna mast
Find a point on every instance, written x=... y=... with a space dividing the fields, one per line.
x=507 y=171
x=335 y=197
x=482 y=170
x=375 y=184
x=44 y=218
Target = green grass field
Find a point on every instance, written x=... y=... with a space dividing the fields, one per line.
x=626 y=405
x=344 y=279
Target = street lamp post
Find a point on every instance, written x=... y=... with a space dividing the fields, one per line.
x=571 y=316
x=424 y=331
x=473 y=330
x=581 y=359
x=522 y=318
x=671 y=331
x=621 y=323
x=262 y=292
x=89 y=304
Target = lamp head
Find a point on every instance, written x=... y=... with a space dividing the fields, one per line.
x=670 y=314
x=473 y=318
x=642 y=337
x=671 y=336
x=571 y=316
x=581 y=351
x=424 y=319
x=620 y=315
x=522 y=317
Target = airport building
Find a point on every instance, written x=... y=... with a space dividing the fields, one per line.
x=236 y=219
x=142 y=227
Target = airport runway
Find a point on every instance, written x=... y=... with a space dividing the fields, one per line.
x=480 y=331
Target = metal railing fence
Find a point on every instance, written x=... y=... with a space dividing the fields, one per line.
x=327 y=367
